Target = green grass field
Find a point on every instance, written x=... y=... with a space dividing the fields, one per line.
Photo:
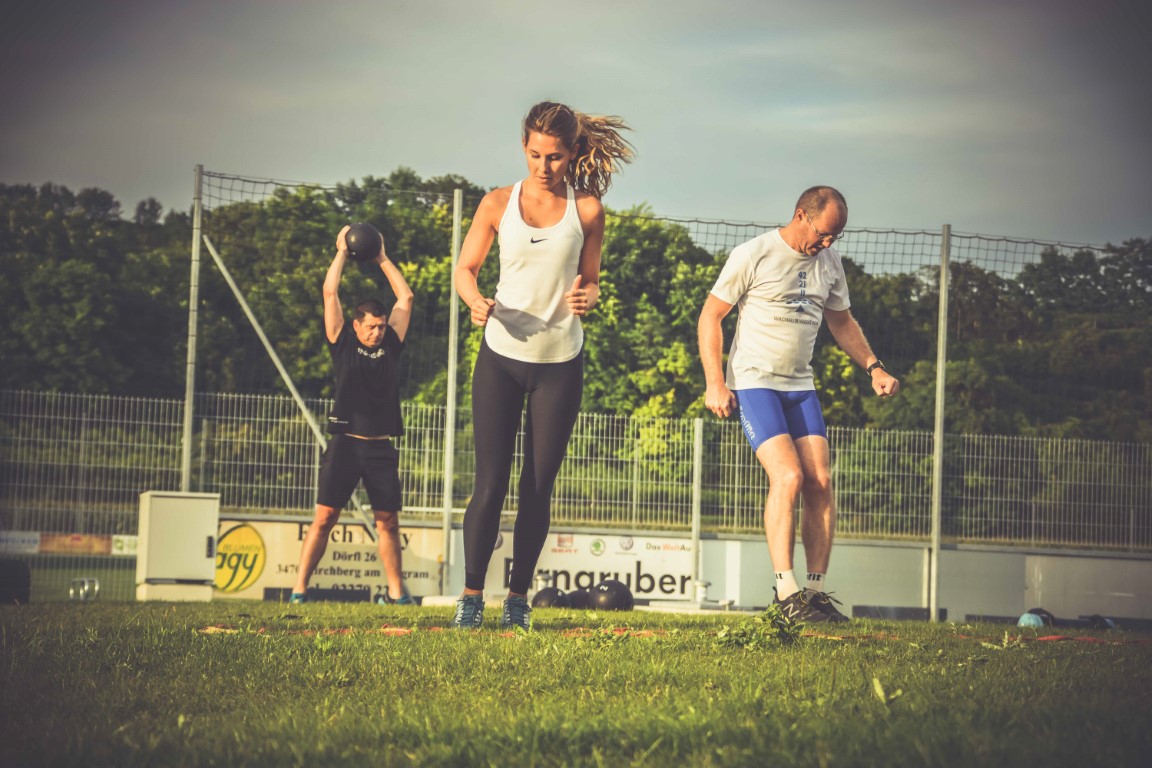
x=239 y=684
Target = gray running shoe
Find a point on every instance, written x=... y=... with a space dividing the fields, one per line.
x=826 y=604
x=516 y=613
x=387 y=599
x=469 y=612
x=798 y=607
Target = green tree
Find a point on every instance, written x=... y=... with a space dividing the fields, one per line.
x=1090 y=361
x=641 y=338
x=97 y=302
x=79 y=313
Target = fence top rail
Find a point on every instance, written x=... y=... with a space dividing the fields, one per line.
x=767 y=226
x=873 y=431
x=1075 y=442
x=329 y=187
x=268 y=181
x=588 y=415
x=99 y=396
x=1023 y=241
x=253 y=189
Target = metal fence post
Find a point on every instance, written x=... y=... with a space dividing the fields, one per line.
x=193 y=306
x=636 y=446
x=80 y=515
x=938 y=431
x=697 y=496
x=203 y=473
x=450 y=405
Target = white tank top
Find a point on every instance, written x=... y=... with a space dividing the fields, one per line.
x=531 y=321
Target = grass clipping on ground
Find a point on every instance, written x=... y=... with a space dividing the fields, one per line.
x=770 y=629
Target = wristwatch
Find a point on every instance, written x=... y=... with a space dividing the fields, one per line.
x=878 y=364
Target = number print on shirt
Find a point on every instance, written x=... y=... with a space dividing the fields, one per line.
x=802 y=284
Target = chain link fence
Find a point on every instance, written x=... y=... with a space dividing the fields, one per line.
x=72 y=466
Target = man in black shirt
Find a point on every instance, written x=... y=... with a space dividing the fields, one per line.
x=364 y=420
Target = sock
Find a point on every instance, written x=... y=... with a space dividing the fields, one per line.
x=816 y=582
x=786 y=585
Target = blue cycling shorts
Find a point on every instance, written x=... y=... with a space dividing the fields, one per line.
x=766 y=413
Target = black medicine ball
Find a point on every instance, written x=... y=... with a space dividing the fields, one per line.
x=550 y=597
x=612 y=595
x=364 y=241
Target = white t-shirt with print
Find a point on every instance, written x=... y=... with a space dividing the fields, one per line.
x=781 y=295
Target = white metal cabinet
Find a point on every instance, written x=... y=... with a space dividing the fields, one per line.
x=176 y=550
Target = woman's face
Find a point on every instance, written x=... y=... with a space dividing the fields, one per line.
x=548 y=160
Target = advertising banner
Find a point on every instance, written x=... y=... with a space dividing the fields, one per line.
x=255 y=555
x=35 y=543
x=19 y=542
x=75 y=543
x=653 y=568
x=124 y=546
x=252 y=555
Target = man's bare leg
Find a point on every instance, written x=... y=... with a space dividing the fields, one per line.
x=315 y=544
x=388 y=542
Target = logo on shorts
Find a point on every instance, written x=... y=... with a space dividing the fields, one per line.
x=747 y=425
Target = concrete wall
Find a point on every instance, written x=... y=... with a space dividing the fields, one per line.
x=974 y=581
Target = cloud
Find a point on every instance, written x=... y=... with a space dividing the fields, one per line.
x=734 y=103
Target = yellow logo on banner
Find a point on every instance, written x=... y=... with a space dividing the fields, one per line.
x=240 y=558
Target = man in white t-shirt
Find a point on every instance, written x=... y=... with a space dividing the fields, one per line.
x=786 y=282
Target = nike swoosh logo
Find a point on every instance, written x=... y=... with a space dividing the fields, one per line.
x=534 y=240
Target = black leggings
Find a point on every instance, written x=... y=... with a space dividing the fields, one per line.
x=499 y=385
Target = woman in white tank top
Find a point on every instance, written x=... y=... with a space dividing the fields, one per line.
x=550 y=228
x=531 y=318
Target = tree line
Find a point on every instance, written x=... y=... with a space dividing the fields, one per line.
x=95 y=300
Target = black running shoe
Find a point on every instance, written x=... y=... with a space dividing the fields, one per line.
x=798 y=607
x=826 y=604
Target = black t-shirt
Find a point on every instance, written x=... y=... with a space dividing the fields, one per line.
x=367 y=396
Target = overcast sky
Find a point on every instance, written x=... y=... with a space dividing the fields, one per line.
x=1024 y=118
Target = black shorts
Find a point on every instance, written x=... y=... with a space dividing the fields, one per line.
x=348 y=460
